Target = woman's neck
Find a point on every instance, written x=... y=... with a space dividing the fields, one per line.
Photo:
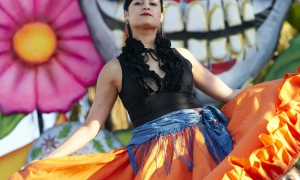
x=148 y=39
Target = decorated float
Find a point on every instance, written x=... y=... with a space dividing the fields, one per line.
x=51 y=53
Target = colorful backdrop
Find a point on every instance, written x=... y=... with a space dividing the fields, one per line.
x=51 y=52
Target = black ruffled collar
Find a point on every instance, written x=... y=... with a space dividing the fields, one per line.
x=169 y=61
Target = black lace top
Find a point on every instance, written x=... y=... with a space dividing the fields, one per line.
x=144 y=93
x=133 y=60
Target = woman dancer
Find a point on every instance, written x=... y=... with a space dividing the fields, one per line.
x=156 y=84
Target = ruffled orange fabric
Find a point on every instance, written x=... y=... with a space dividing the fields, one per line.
x=264 y=121
x=115 y=165
x=278 y=145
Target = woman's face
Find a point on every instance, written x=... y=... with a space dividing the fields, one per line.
x=144 y=14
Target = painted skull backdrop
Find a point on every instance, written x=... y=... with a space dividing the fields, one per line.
x=48 y=58
x=233 y=38
x=74 y=38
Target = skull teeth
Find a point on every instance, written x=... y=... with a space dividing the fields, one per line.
x=216 y=18
x=248 y=12
x=233 y=14
x=173 y=21
x=250 y=36
x=218 y=49
x=199 y=49
x=203 y=17
x=197 y=18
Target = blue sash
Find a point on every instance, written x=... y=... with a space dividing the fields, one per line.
x=181 y=124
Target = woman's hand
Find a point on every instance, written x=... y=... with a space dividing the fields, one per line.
x=25 y=166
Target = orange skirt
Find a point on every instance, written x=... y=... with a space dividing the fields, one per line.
x=265 y=128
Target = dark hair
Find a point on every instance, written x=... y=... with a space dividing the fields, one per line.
x=128 y=2
x=125 y=7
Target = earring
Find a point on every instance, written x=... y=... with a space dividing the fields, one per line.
x=160 y=30
x=126 y=31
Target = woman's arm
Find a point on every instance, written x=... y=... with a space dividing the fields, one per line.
x=207 y=82
x=108 y=85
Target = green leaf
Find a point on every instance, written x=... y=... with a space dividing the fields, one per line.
x=98 y=146
x=36 y=153
x=65 y=131
x=8 y=123
x=286 y=62
x=109 y=140
x=298 y=162
x=124 y=135
x=294 y=16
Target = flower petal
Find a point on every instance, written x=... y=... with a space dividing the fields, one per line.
x=17 y=93
x=77 y=31
x=88 y=70
x=6 y=21
x=27 y=8
x=69 y=17
x=5 y=35
x=57 y=89
x=53 y=8
x=44 y=9
x=12 y=9
x=4 y=47
x=6 y=60
x=80 y=56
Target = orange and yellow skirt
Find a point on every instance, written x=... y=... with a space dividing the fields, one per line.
x=265 y=126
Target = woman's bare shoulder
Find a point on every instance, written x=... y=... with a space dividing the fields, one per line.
x=113 y=64
x=112 y=72
x=111 y=67
x=185 y=53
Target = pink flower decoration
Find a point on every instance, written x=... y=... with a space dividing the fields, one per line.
x=60 y=81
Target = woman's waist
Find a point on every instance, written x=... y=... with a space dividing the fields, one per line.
x=146 y=113
x=166 y=124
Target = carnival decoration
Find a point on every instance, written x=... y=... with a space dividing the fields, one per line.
x=52 y=50
x=234 y=39
x=47 y=56
x=47 y=60
x=53 y=137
